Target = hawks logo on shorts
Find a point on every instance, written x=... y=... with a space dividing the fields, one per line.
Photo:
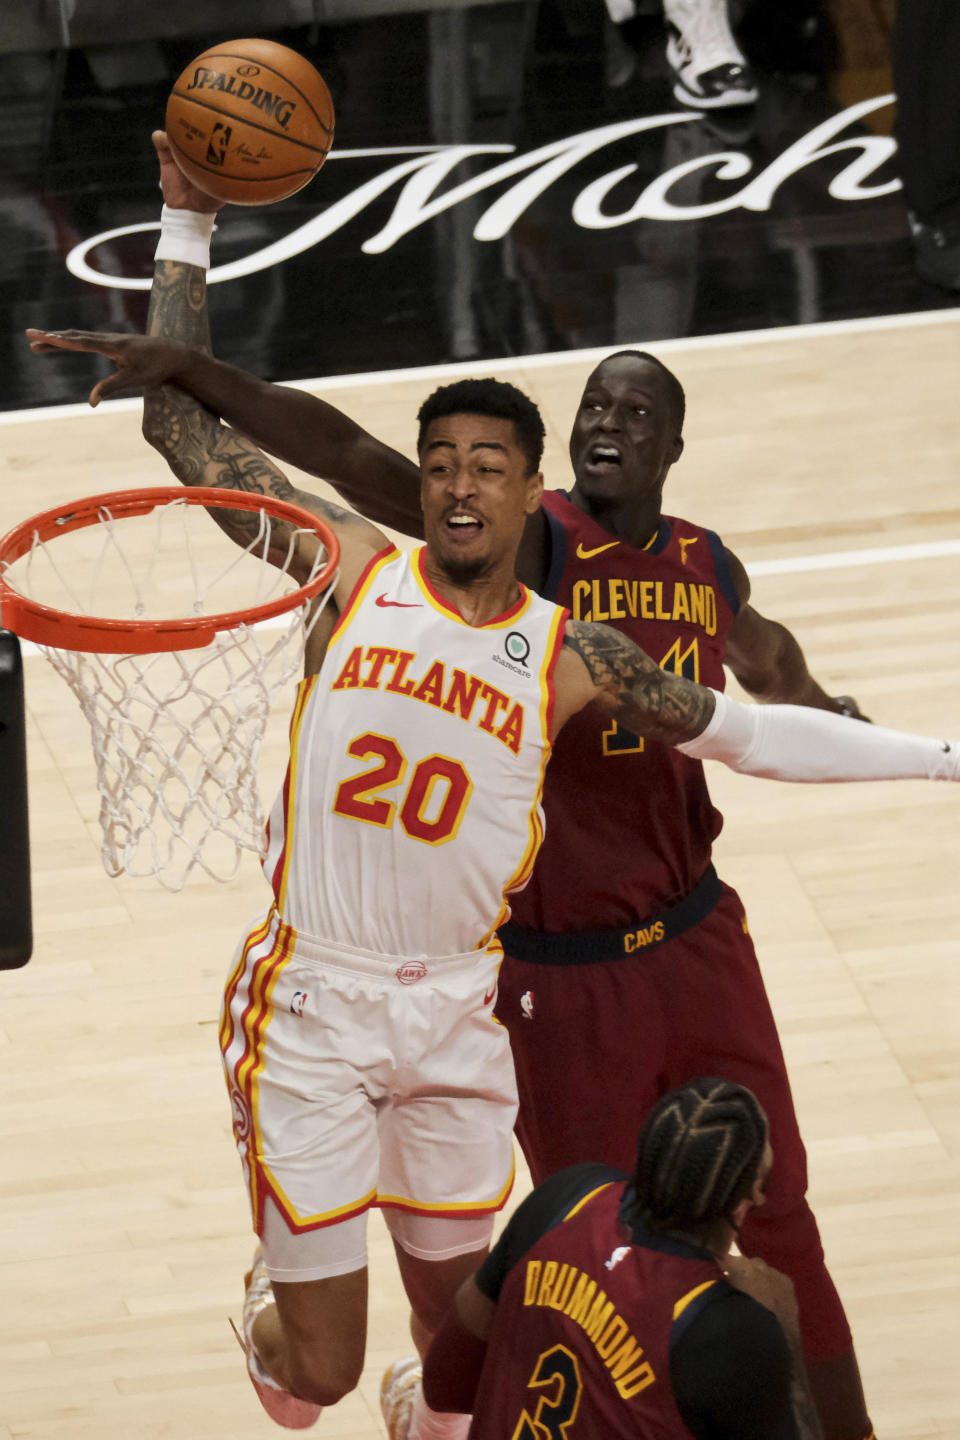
x=241 y=1115
x=411 y=971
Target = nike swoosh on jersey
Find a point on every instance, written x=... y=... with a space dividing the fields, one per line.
x=491 y=996
x=598 y=550
x=382 y=601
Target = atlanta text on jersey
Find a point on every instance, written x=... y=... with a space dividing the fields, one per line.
x=457 y=693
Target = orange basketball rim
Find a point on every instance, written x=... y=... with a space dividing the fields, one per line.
x=46 y=625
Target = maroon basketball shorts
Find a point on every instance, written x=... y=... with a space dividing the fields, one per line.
x=597 y=1040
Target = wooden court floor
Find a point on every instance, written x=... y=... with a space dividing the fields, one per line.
x=829 y=460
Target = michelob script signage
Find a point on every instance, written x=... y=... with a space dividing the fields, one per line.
x=417 y=173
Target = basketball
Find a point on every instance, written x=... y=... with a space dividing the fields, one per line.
x=250 y=122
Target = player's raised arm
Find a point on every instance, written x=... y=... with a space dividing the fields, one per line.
x=198 y=448
x=208 y=453
x=777 y=742
x=298 y=428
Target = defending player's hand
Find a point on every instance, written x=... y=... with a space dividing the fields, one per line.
x=142 y=361
x=178 y=192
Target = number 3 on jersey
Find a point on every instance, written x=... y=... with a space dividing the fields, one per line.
x=620 y=741
x=556 y=1412
x=433 y=804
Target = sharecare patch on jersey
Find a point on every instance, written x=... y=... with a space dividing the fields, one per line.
x=381 y=667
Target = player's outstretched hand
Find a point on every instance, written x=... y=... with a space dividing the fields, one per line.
x=179 y=192
x=142 y=361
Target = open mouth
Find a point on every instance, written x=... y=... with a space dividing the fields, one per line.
x=462 y=526
x=604 y=459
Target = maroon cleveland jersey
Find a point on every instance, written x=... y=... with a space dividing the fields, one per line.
x=629 y=822
x=591 y=1320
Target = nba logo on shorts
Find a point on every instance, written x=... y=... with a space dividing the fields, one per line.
x=298 y=1002
x=526 y=1004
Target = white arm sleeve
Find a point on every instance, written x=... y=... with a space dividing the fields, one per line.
x=794 y=742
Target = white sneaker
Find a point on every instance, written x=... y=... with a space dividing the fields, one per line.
x=710 y=70
x=282 y=1407
x=398 y=1391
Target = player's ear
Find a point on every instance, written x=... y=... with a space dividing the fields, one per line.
x=676 y=450
x=534 y=492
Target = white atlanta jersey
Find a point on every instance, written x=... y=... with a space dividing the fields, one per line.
x=411 y=806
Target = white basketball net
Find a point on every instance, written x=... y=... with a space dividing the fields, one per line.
x=176 y=735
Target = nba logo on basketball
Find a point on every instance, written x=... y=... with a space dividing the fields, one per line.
x=218 y=143
x=298 y=1003
x=411 y=971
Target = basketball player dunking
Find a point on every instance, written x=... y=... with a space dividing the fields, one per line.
x=630 y=412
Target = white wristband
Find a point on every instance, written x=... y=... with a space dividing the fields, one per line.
x=794 y=742
x=185 y=237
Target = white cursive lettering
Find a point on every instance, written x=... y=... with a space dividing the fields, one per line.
x=418 y=202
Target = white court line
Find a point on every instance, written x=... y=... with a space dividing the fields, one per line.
x=590 y=356
x=845 y=559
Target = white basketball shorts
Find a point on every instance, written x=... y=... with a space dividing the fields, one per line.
x=356 y=1080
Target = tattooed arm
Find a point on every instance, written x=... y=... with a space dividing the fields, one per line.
x=603 y=665
x=299 y=428
x=201 y=451
x=779 y=742
x=198 y=448
x=178 y=311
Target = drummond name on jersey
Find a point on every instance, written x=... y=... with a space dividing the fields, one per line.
x=574 y=1293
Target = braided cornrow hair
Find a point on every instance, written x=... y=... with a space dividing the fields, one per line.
x=698 y=1154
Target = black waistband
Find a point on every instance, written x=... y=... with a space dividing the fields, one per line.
x=588 y=947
